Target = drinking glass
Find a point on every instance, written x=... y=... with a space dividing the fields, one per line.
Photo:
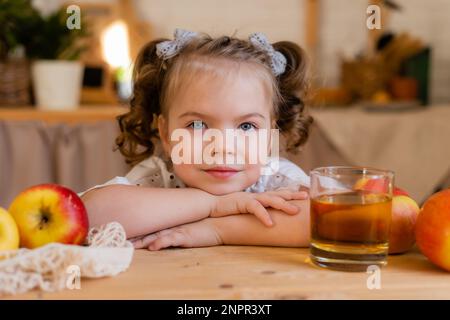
x=351 y=211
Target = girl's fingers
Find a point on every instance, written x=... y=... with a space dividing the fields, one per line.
x=301 y=195
x=257 y=209
x=143 y=242
x=164 y=232
x=285 y=194
x=138 y=244
x=289 y=194
x=277 y=203
x=172 y=239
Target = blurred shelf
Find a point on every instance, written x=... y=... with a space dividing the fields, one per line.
x=85 y=113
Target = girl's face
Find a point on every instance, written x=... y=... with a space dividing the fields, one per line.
x=237 y=101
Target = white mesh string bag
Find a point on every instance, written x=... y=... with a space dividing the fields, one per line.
x=107 y=253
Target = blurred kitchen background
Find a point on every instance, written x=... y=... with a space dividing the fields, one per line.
x=379 y=97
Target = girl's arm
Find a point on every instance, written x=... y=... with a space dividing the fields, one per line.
x=288 y=231
x=143 y=210
x=245 y=229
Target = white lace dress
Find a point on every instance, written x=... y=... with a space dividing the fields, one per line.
x=155 y=172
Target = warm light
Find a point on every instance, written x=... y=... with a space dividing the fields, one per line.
x=115 y=45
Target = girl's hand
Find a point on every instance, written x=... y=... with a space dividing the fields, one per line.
x=197 y=234
x=256 y=203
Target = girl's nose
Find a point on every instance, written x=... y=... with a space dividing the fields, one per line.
x=223 y=149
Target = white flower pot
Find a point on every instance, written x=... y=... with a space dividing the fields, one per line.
x=57 y=84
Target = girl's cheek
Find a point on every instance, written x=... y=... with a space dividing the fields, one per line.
x=257 y=153
x=253 y=171
x=181 y=150
x=187 y=173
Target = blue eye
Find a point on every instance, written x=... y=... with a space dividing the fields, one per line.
x=246 y=126
x=197 y=125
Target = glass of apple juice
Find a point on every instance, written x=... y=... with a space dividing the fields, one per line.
x=350 y=217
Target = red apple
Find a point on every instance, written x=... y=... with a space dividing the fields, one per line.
x=49 y=213
x=404 y=214
x=399 y=192
x=377 y=185
x=433 y=229
x=374 y=185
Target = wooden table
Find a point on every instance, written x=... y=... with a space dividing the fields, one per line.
x=246 y=272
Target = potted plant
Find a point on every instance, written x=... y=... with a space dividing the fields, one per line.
x=17 y=18
x=56 y=71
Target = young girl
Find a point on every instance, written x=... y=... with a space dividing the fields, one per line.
x=197 y=83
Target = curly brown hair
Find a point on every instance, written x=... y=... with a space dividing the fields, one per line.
x=153 y=79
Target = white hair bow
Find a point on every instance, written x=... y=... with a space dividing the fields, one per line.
x=168 y=49
x=278 y=60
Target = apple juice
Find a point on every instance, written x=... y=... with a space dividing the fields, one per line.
x=350 y=227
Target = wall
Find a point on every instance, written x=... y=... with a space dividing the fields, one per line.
x=342 y=27
x=430 y=21
x=280 y=20
x=343 y=22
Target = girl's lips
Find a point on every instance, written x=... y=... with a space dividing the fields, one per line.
x=222 y=172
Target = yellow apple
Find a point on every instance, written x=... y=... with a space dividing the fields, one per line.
x=9 y=234
x=404 y=214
